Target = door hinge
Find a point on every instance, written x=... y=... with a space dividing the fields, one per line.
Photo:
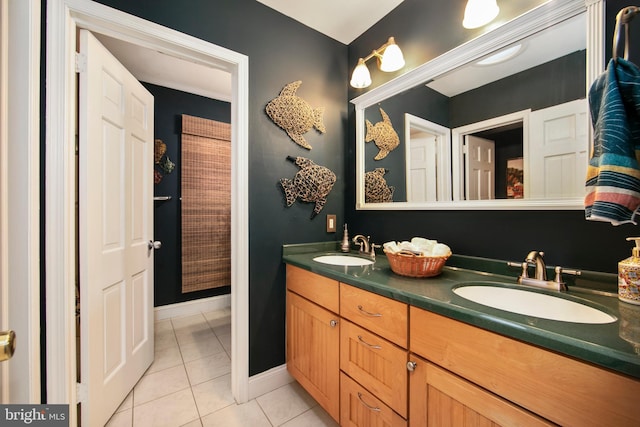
x=81 y=63
x=81 y=392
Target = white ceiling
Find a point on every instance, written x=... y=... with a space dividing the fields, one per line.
x=147 y=65
x=342 y=20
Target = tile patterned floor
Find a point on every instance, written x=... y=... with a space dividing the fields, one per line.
x=188 y=384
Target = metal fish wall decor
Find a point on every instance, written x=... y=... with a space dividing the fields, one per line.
x=295 y=115
x=385 y=137
x=376 y=189
x=312 y=183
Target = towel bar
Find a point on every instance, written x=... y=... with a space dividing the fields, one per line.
x=623 y=18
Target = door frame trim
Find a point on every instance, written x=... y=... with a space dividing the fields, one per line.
x=63 y=18
x=20 y=196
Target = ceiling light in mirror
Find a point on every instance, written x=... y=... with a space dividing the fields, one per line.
x=479 y=13
x=501 y=56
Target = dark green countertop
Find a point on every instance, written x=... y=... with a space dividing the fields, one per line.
x=608 y=345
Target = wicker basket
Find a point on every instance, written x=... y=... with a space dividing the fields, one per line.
x=408 y=264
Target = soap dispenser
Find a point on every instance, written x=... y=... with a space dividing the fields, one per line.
x=629 y=275
x=345 y=246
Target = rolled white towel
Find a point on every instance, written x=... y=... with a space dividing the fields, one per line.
x=391 y=247
x=440 y=249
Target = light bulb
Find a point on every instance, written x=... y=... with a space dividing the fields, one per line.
x=392 y=58
x=361 y=77
x=479 y=13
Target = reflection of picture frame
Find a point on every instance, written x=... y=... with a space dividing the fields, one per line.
x=515 y=178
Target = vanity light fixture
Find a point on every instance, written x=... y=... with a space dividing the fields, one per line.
x=479 y=13
x=389 y=58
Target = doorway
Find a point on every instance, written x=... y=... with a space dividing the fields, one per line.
x=64 y=18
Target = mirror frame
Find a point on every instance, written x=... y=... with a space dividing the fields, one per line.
x=529 y=23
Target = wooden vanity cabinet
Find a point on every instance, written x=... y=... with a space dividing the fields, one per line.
x=313 y=336
x=557 y=388
x=442 y=399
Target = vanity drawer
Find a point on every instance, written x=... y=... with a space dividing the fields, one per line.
x=377 y=364
x=383 y=316
x=359 y=408
x=319 y=289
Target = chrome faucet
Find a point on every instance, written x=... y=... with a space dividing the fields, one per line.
x=363 y=242
x=535 y=257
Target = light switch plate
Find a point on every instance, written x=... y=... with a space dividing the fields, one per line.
x=331 y=223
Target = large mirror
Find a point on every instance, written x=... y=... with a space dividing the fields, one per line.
x=500 y=122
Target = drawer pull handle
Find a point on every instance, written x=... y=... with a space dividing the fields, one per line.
x=363 y=311
x=369 y=407
x=333 y=323
x=375 y=347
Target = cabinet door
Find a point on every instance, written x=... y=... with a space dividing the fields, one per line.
x=359 y=408
x=375 y=363
x=442 y=399
x=313 y=339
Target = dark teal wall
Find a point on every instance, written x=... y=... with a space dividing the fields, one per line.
x=565 y=236
x=280 y=51
x=169 y=106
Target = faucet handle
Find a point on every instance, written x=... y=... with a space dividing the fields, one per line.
x=524 y=265
x=560 y=270
x=373 y=249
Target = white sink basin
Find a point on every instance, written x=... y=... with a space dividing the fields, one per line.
x=343 y=260
x=533 y=304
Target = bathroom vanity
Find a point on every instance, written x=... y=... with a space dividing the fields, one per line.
x=375 y=348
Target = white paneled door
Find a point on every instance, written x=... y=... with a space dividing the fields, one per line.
x=115 y=230
x=480 y=168
x=558 y=144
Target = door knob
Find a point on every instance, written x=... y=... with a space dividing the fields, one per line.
x=7 y=345
x=154 y=244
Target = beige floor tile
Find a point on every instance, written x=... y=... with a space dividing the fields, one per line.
x=195 y=423
x=314 y=417
x=213 y=395
x=192 y=350
x=160 y=384
x=285 y=403
x=164 y=339
x=195 y=333
x=223 y=329
x=173 y=410
x=163 y=325
x=127 y=403
x=208 y=368
x=246 y=415
x=186 y=321
x=225 y=340
x=121 y=419
x=165 y=358
x=218 y=317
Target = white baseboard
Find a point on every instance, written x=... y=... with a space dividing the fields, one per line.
x=189 y=308
x=267 y=381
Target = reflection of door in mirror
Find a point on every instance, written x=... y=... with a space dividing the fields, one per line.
x=427 y=160
x=479 y=168
x=558 y=148
x=552 y=141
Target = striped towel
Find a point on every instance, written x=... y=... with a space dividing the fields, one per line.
x=613 y=174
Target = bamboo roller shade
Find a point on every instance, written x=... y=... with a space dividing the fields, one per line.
x=206 y=204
